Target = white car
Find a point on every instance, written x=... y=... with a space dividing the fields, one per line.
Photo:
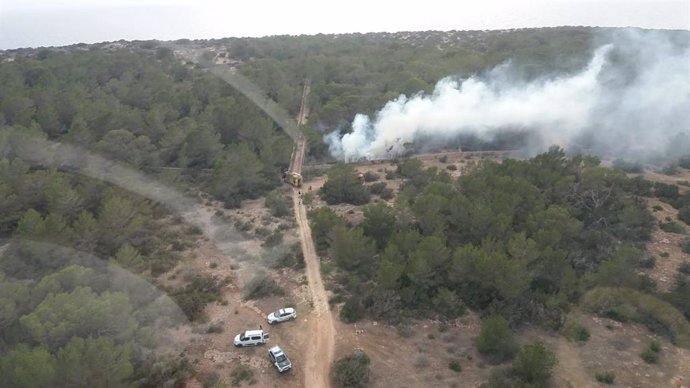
x=281 y=315
x=251 y=338
x=279 y=359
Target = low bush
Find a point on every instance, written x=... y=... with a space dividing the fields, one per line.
x=242 y=373
x=370 y=177
x=377 y=188
x=684 y=268
x=193 y=297
x=672 y=227
x=626 y=304
x=534 y=364
x=685 y=245
x=496 y=340
x=455 y=366
x=352 y=371
x=278 y=204
x=421 y=361
x=626 y=166
x=262 y=286
x=649 y=356
x=443 y=159
x=451 y=167
x=606 y=377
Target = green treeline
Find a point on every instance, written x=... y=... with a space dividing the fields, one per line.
x=358 y=73
x=523 y=239
x=78 y=255
x=143 y=108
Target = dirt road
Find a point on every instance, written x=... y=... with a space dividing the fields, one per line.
x=321 y=346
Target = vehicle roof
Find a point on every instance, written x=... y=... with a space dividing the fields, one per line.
x=253 y=332
x=288 y=310
x=276 y=350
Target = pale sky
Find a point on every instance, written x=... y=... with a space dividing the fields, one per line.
x=35 y=23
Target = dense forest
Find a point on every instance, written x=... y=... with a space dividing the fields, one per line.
x=522 y=239
x=65 y=302
x=359 y=73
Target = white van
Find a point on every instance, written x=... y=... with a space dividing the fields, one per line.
x=251 y=338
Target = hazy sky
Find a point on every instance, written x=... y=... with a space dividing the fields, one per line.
x=34 y=23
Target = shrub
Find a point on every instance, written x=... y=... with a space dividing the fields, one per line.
x=273 y=240
x=655 y=346
x=657 y=208
x=496 y=340
x=278 y=204
x=386 y=193
x=647 y=262
x=685 y=245
x=664 y=254
x=628 y=304
x=684 y=268
x=443 y=159
x=262 y=286
x=370 y=177
x=626 y=166
x=672 y=227
x=606 y=377
x=534 y=363
x=215 y=328
x=213 y=265
x=352 y=371
x=684 y=214
x=242 y=373
x=193 y=297
x=684 y=162
x=581 y=334
x=352 y=311
x=455 y=366
x=377 y=188
x=421 y=361
x=649 y=356
x=451 y=167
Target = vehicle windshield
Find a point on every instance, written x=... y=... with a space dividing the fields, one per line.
x=281 y=359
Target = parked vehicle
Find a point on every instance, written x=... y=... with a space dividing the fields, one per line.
x=282 y=315
x=279 y=359
x=251 y=338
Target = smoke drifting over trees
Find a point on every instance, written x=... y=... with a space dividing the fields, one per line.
x=631 y=100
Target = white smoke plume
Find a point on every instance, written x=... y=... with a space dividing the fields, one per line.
x=632 y=100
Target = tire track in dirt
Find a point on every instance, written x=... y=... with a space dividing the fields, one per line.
x=321 y=347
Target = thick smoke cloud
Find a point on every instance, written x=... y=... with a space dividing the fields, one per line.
x=631 y=101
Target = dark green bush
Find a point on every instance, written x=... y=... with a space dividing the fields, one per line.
x=496 y=340
x=352 y=311
x=352 y=371
x=451 y=167
x=370 y=177
x=626 y=166
x=455 y=366
x=672 y=227
x=534 y=364
x=649 y=356
x=261 y=286
x=685 y=245
x=606 y=377
x=684 y=268
x=242 y=373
